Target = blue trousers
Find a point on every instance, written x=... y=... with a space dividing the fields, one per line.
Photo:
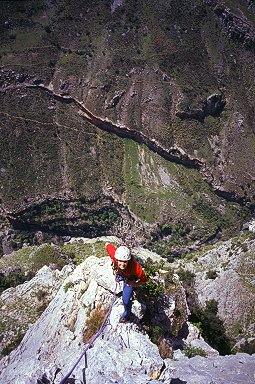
x=127 y=300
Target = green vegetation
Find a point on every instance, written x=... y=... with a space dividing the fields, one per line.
x=150 y=291
x=23 y=264
x=202 y=250
x=142 y=200
x=153 y=293
x=48 y=209
x=111 y=161
x=68 y=285
x=156 y=334
x=169 y=282
x=78 y=252
x=190 y=351
x=237 y=330
x=46 y=255
x=21 y=39
x=187 y=278
x=12 y=345
x=94 y=322
x=92 y=63
x=177 y=235
x=186 y=195
x=54 y=216
x=213 y=328
x=199 y=326
x=14 y=278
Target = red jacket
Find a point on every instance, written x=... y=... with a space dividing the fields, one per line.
x=133 y=267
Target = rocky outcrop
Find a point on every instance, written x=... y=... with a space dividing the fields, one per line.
x=212 y=106
x=57 y=338
x=226 y=274
x=238 y=369
x=22 y=306
x=238 y=28
x=122 y=353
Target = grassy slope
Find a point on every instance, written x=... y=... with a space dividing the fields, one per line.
x=48 y=149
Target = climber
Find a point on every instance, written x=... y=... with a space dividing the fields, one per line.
x=130 y=271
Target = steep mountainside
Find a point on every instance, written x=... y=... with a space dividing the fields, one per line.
x=58 y=312
x=131 y=117
x=224 y=275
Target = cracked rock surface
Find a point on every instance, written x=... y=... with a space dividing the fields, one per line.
x=123 y=353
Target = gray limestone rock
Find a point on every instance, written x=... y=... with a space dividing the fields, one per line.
x=123 y=353
x=22 y=305
x=234 y=369
x=226 y=274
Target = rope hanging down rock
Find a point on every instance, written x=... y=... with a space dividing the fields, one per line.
x=103 y=325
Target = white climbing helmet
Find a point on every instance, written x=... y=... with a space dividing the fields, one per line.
x=123 y=253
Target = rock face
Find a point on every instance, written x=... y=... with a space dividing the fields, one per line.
x=23 y=305
x=212 y=106
x=55 y=341
x=238 y=369
x=123 y=353
x=226 y=274
x=98 y=139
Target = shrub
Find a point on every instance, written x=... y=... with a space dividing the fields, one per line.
x=190 y=351
x=169 y=282
x=179 y=230
x=47 y=254
x=212 y=327
x=166 y=229
x=94 y=322
x=68 y=285
x=199 y=326
x=151 y=289
x=155 y=334
x=187 y=278
x=14 y=278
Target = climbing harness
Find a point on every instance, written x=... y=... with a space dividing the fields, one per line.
x=120 y=278
x=117 y=273
x=103 y=325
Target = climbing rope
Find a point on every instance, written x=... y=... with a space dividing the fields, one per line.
x=103 y=325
